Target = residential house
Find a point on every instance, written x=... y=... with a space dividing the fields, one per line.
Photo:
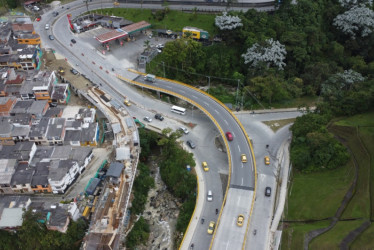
x=39 y=181
x=38 y=108
x=7 y=169
x=73 y=131
x=87 y=115
x=61 y=174
x=61 y=94
x=53 y=112
x=38 y=85
x=6 y=105
x=21 y=107
x=21 y=179
x=25 y=33
x=38 y=131
x=11 y=211
x=58 y=219
x=90 y=134
x=22 y=151
x=83 y=156
x=6 y=128
x=56 y=131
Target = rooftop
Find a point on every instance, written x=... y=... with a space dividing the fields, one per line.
x=40 y=130
x=115 y=169
x=22 y=175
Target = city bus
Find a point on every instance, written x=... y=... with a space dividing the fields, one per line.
x=178 y=110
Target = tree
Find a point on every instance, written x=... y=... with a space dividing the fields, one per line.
x=226 y=22
x=340 y=82
x=359 y=20
x=350 y=3
x=270 y=52
x=147 y=44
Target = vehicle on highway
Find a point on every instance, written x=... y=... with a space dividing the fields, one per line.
x=268 y=191
x=55 y=13
x=178 y=110
x=205 y=166
x=209 y=196
x=47 y=26
x=267 y=160
x=38 y=19
x=147 y=119
x=240 y=220
x=73 y=41
x=229 y=136
x=184 y=130
x=243 y=157
x=74 y=71
x=150 y=78
x=191 y=144
x=127 y=103
x=211 y=227
x=51 y=37
x=159 y=117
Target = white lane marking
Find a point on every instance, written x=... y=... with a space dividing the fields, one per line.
x=216 y=111
x=239 y=148
x=242 y=165
x=226 y=122
x=233 y=134
x=183 y=91
x=252 y=167
x=242 y=181
x=227 y=245
x=206 y=103
x=194 y=96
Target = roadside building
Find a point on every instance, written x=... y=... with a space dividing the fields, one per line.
x=60 y=94
x=22 y=151
x=6 y=128
x=87 y=115
x=56 y=131
x=39 y=181
x=58 y=219
x=21 y=179
x=89 y=134
x=38 y=131
x=6 y=105
x=7 y=169
x=61 y=174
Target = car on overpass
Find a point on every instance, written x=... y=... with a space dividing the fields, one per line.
x=211 y=227
x=240 y=220
x=267 y=160
x=243 y=157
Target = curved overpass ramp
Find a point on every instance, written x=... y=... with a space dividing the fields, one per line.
x=239 y=197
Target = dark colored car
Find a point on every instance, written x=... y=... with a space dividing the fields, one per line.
x=51 y=37
x=267 y=191
x=191 y=144
x=74 y=71
x=159 y=117
x=229 y=136
x=73 y=41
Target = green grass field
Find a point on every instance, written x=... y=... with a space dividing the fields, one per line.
x=331 y=239
x=364 y=240
x=173 y=20
x=317 y=195
x=293 y=234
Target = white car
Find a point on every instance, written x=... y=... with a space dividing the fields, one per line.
x=184 y=130
x=147 y=119
x=47 y=26
x=209 y=196
x=36 y=8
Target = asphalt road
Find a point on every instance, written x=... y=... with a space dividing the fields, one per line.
x=239 y=198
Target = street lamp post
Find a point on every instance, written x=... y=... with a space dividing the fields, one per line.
x=163 y=66
x=237 y=93
x=208 y=83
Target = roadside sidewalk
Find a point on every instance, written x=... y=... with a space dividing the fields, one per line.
x=266 y=111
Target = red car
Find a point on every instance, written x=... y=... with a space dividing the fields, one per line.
x=229 y=136
x=38 y=19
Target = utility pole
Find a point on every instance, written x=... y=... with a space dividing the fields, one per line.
x=163 y=66
x=237 y=93
x=208 y=83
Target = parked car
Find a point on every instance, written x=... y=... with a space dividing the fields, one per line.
x=268 y=191
x=36 y=8
x=267 y=160
x=191 y=144
x=38 y=19
x=73 y=41
x=243 y=158
x=51 y=37
x=183 y=129
x=147 y=119
x=74 y=71
x=159 y=117
x=229 y=136
x=205 y=166
x=211 y=227
x=240 y=220
x=209 y=196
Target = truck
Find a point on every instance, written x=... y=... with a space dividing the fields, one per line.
x=196 y=33
x=150 y=78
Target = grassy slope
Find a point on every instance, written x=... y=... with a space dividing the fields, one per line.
x=331 y=239
x=364 y=240
x=317 y=195
x=293 y=234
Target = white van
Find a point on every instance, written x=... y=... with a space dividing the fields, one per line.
x=150 y=78
x=209 y=197
x=47 y=26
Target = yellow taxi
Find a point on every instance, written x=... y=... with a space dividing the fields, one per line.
x=127 y=103
x=205 y=166
x=211 y=227
x=240 y=220
x=267 y=160
x=243 y=158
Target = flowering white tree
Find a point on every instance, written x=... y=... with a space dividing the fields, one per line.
x=340 y=82
x=350 y=3
x=272 y=53
x=226 y=22
x=359 y=20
